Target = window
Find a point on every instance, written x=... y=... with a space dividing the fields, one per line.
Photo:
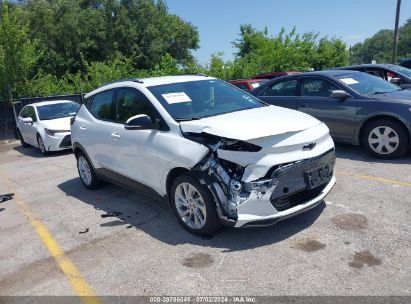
x=57 y=110
x=317 y=87
x=400 y=69
x=205 y=98
x=377 y=72
x=103 y=105
x=87 y=102
x=23 y=113
x=29 y=112
x=366 y=84
x=131 y=102
x=284 y=88
x=242 y=86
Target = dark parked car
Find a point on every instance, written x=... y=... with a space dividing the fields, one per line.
x=406 y=63
x=358 y=108
x=273 y=75
x=398 y=75
x=247 y=84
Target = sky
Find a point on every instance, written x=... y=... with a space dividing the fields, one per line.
x=218 y=21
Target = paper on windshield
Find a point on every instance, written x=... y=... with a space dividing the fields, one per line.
x=178 y=97
x=349 y=81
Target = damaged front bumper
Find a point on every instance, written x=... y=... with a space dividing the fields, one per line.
x=289 y=190
x=263 y=213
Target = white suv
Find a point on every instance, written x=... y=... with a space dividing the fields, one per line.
x=218 y=154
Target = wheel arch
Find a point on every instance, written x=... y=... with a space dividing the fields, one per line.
x=380 y=117
x=77 y=148
x=171 y=176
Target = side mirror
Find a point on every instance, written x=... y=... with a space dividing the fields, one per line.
x=139 y=122
x=339 y=94
x=27 y=120
x=397 y=81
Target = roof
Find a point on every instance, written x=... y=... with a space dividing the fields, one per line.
x=148 y=82
x=248 y=80
x=49 y=102
x=332 y=73
x=274 y=74
x=367 y=65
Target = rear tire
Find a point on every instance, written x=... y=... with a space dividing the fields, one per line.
x=23 y=143
x=86 y=172
x=194 y=205
x=42 y=146
x=386 y=139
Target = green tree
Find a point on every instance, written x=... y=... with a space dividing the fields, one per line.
x=17 y=55
x=404 y=46
x=330 y=53
x=73 y=33
x=258 y=52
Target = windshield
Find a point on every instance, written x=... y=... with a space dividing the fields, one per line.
x=200 y=99
x=402 y=70
x=366 y=84
x=57 y=110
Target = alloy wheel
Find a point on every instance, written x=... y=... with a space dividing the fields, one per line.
x=190 y=205
x=84 y=170
x=41 y=145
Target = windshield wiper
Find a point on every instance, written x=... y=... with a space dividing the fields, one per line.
x=377 y=93
x=187 y=119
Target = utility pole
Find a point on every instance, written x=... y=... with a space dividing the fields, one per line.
x=397 y=21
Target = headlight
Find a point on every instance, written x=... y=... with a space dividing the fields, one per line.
x=52 y=132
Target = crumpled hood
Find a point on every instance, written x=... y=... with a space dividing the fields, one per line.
x=403 y=97
x=251 y=124
x=57 y=124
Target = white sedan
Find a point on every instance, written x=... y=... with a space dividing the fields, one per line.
x=46 y=125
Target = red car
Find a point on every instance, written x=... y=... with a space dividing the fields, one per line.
x=248 y=84
x=274 y=75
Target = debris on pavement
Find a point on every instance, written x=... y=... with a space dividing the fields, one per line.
x=6 y=197
x=85 y=231
x=111 y=214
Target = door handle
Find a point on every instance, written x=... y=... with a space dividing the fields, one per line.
x=303 y=105
x=115 y=135
x=83 y=129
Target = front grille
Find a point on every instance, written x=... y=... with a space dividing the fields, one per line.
x=66 y=142
x=292 y=187
x=295 y=199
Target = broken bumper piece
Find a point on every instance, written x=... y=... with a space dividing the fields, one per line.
x=291 y=190
x=258 y=211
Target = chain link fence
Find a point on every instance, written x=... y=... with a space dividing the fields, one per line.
x=9 y=112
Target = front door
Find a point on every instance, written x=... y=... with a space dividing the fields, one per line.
x=28 y=130
x=339 y=115
x=134 y=150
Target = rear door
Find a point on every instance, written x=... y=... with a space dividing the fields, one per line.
x=97 y=130
x=282 y=94
x=339 y=115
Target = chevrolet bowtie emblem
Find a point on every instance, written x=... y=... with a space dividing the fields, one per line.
x=309 y=147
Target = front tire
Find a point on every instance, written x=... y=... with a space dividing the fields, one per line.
x=386 y=139
x=86 y=172
x=194 y=205
x=41 y=144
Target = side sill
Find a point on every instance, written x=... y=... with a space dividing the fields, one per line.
x=125 y=182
